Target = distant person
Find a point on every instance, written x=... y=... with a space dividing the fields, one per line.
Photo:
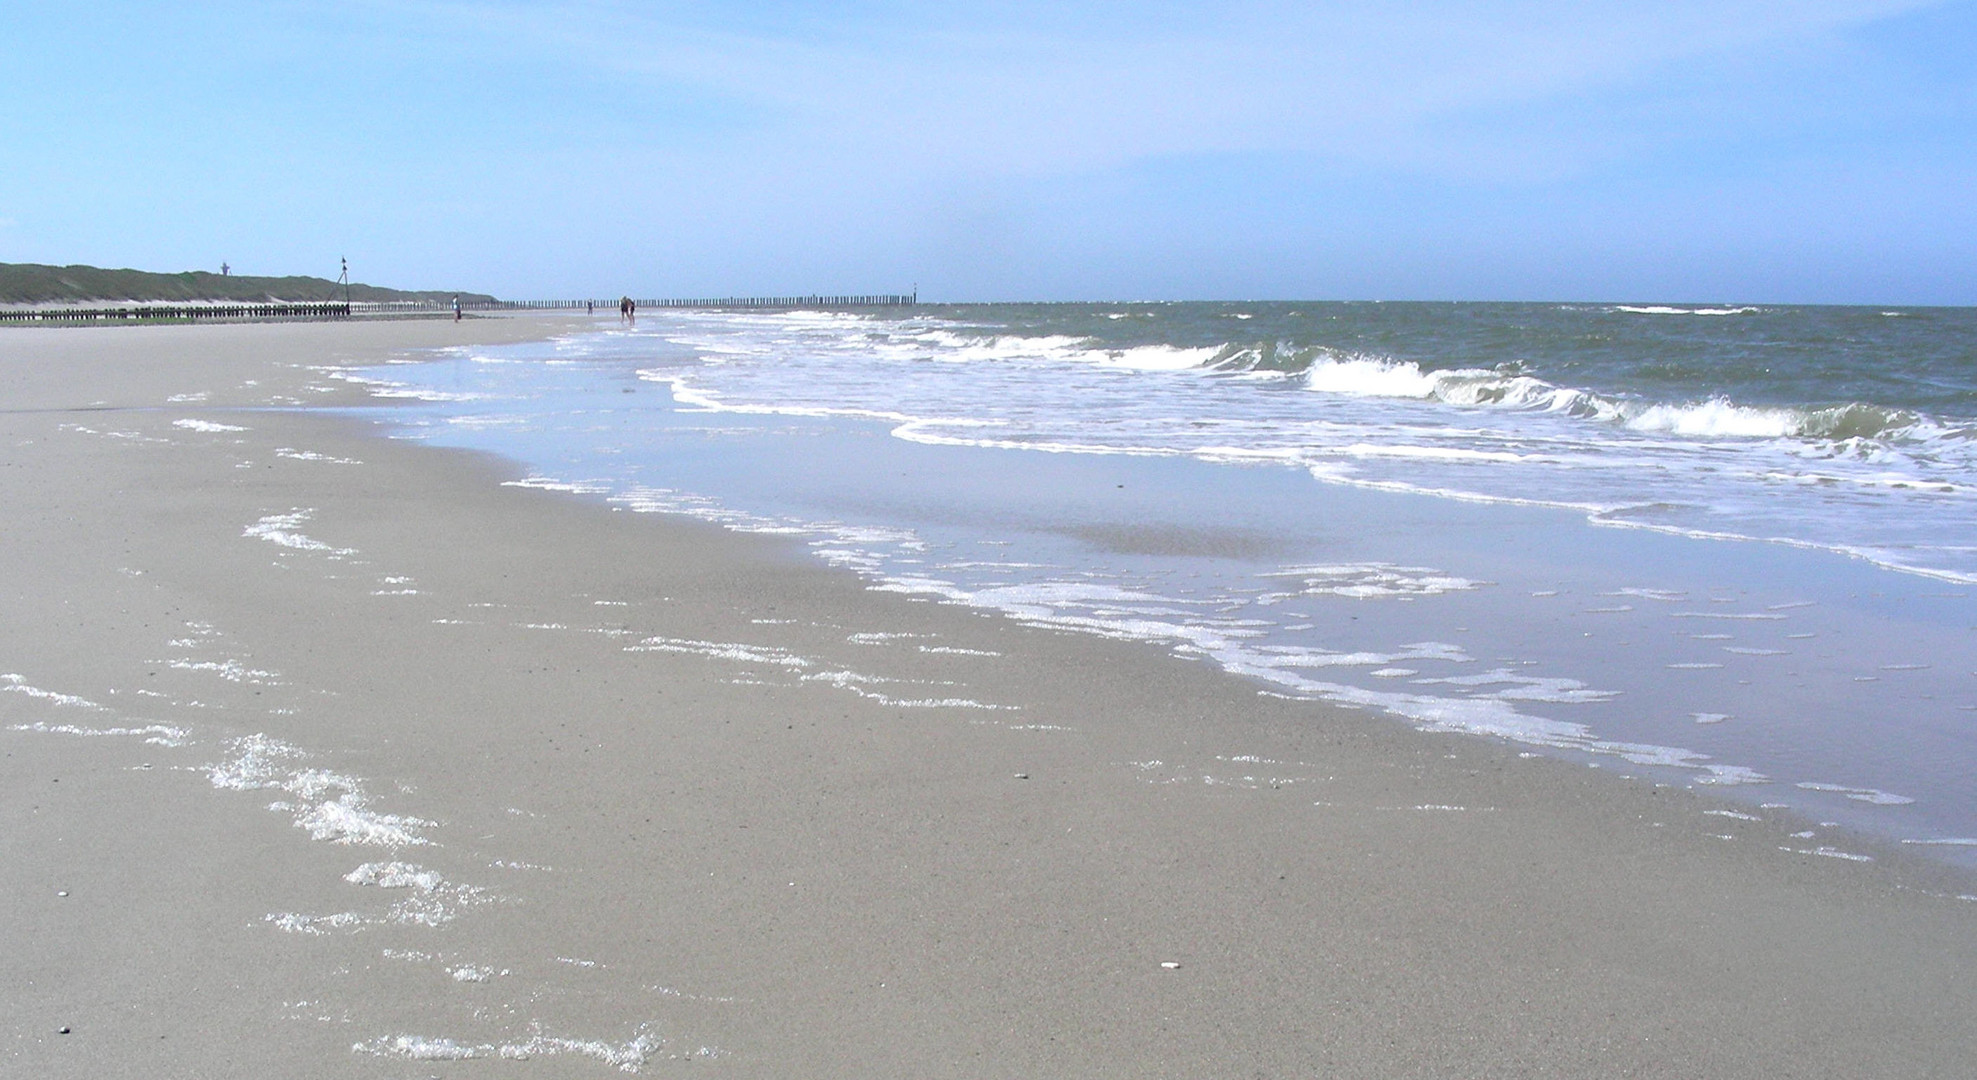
x=624 y=309
x=631 y=307
x=456 y=309
x=590 y=307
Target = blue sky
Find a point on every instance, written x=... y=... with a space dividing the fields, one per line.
x=1732 y=150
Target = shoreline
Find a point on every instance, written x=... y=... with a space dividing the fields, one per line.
x=774 y=855
x=1695 y=663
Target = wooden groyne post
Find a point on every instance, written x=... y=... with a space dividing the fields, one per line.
x=270 y=311
x=170 y=313
x=727 y=302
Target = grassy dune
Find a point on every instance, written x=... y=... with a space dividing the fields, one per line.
x=34 y=283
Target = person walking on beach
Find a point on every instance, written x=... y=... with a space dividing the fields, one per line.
x=590 y=307
x=624 y=308
x=456 y=309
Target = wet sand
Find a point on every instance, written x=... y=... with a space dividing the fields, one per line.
x=674 y=799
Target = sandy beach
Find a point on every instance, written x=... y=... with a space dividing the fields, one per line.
x=328 y=754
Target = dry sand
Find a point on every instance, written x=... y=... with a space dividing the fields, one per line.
x=648 y=848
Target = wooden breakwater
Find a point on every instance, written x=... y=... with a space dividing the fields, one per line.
x=136 y=314
x=170 y=313
x=607 y=305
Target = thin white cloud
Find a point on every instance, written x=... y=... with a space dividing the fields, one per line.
x=1008 y=90
x=1028 y=149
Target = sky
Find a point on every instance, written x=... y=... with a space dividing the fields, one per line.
x=1820 y=151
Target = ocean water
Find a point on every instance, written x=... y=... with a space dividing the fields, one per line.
x=1721 y=546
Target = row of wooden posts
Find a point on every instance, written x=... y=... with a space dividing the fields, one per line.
x=161 y=313
x=846 y=301
x=149 y=313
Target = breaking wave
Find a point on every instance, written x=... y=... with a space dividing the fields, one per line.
x=1369 y=375
x=1327 y=371
x=1665 y=309
x=1710 y=433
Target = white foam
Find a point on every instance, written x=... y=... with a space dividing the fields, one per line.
x=862 y=686
x=260 y=762
x=1033 y=391
x=310 y=455
x=156 y=734
x=1663 y=595
x=1859 y=794
x=387 y=388
x=433 y=902
x=290 y=922
x=206 y=426
x=395 y=875
x=282 y=529
x=1152 y=357
x=1184 y=623
x=721 y=650
x=1370 y=377
x=1659 y=309
x=347 y=820
x=230 y=670
x=543 y=483
x=1519 y=687
x=1373 y=579
x=16 y=683
x=1830 y=853
x=421 y=1048
x=1719 y=418
x=1589 y=450
x=1489 y=714
x=127 y=436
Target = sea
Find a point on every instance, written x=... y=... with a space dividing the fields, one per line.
x=1730 y=547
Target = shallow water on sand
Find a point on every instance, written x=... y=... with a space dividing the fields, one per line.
x=1780 y=675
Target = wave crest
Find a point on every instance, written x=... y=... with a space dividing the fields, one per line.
x=1854 y=429
x=1664 y=309
x=1361 y=375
